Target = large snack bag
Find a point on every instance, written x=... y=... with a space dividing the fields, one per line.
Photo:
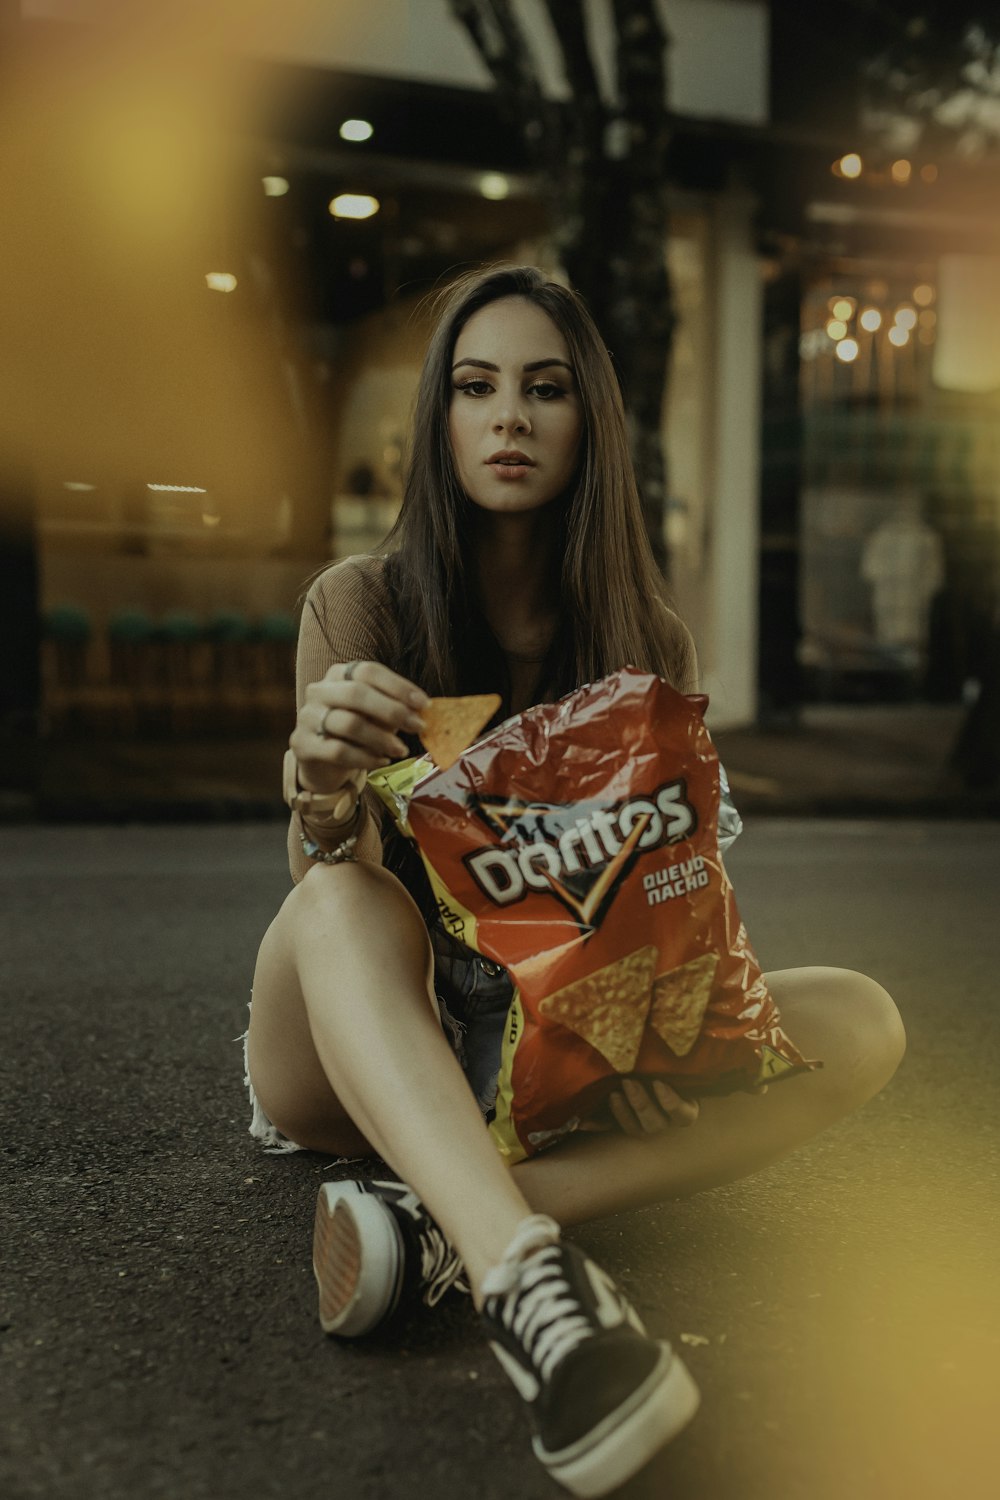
x=577 y=845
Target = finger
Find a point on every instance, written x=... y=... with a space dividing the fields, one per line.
x=325 y=755
x=376 y=675
x=352 y=728
x=648 y=1114
x=362 y=698
x=623 y=1115
x=679 y=1111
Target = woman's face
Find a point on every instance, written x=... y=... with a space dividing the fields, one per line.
x=515 y=417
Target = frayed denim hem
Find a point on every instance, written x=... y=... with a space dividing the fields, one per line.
x=260 y=1127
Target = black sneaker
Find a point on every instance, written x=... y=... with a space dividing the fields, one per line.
x=602 y=1394
x=374 y=1243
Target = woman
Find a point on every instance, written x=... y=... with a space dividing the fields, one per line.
x=521 y=565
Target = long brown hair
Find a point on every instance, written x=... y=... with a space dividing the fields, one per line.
x=611 y=595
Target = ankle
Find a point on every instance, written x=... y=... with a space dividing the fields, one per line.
x=533 y=1233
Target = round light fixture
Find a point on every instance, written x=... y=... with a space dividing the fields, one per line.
x=354 y=206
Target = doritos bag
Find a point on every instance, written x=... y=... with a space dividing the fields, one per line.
x=577 y=845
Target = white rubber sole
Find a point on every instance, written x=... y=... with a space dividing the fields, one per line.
x=628 y=1438
x=357 y=1260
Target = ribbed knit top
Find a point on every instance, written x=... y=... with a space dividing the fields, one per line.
x=349 y=616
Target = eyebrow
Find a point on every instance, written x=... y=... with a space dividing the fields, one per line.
x=536 y=364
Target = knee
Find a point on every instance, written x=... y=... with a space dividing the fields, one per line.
x=360 y=904
x=877 y=1039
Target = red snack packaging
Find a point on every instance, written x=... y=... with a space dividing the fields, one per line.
x=577 y=845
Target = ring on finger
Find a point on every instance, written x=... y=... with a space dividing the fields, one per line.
x=322 y=731
x=350 y=670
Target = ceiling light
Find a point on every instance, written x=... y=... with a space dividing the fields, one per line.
x=850 y=165
x=354 y=206
x=356 y=130
x=494 y=185
x=221 y=281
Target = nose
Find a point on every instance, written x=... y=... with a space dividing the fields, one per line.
x=511 y=418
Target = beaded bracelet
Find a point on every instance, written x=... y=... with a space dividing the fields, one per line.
x=343 y=850
x=343 y=853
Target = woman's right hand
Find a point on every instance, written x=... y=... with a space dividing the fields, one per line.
x=345 y=728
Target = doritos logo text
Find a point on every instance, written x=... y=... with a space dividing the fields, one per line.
x=577 y=853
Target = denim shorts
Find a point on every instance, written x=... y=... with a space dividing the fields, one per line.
x=474 y=997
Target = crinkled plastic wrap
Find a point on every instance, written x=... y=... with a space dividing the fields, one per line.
x=578 y=845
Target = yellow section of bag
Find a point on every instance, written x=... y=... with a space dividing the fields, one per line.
x=502 y=1128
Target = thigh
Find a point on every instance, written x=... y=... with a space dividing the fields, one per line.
x=845 y=1020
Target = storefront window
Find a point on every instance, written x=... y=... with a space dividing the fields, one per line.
x=901 y=482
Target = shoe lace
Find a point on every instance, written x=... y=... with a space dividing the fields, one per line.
x=440 y=1263
x=530 y=1295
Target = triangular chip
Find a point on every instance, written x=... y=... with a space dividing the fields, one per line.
x=608 y=1008
x=451 y=724
x=680 y=999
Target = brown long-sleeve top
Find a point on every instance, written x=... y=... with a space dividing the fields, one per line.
x=349 y=616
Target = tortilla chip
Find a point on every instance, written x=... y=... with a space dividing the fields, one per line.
x=451 y=724
x=680 y=1000
x=608 y=1008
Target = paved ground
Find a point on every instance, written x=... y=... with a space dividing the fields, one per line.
x=157 y=1309
x=840 y=760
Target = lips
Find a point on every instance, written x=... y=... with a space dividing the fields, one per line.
x=511 y=456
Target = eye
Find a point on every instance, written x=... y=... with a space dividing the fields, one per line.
x=547 y=390
x=473 y=387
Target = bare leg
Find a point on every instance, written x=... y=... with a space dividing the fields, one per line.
x=836 y=1015
x=346 y=1053
x=345 y=1048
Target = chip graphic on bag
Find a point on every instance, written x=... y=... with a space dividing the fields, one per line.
x=680 y=1000
x=608 y=1008
x=451 y=724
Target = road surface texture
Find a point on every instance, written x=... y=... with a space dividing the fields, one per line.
x=839 y=1310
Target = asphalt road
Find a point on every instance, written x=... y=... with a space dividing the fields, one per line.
x=158 y=1325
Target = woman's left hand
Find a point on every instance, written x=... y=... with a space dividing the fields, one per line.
x=645 y=1109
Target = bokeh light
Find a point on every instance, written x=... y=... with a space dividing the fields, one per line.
x=836 y=328
x=356 y=130
x=494 y=185
x=847 y=350
x=354 y=206
x=870 y=319
x=899 y=336
x=905 y=317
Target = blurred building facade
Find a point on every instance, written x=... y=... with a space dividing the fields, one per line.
x=831 y=413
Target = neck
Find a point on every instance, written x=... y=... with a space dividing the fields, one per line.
x=516 y=574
